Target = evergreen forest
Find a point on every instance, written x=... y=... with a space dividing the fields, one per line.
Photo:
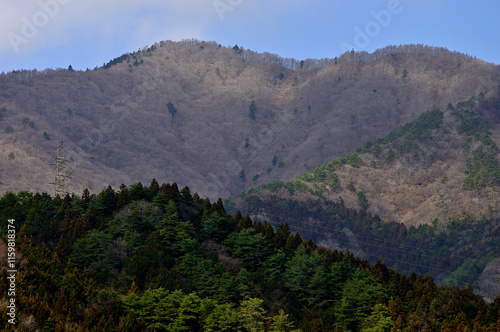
x=160 y=258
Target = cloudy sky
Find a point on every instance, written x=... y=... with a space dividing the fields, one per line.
x=87 y=33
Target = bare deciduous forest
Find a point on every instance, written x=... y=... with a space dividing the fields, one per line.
x=118 y=128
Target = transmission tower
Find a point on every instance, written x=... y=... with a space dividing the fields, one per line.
x=60 y=183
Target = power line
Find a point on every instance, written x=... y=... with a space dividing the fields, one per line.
x=299 y=226
x=416 y=254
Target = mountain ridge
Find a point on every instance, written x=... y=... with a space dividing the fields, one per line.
x=431 y=169
x=119 y=113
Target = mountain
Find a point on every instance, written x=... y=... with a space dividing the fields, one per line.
x=163 y=259
x=218 y=119
x=424 y=198
x=442 y=165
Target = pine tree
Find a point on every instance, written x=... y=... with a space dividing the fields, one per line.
x=292 y=243
x=281 y=236
x=252 y=111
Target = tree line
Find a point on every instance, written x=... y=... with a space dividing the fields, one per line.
x=158 y=258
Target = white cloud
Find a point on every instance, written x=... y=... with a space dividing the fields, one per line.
x=111 y=27
x=46 y=23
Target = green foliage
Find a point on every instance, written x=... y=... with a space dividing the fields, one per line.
x=469 y=271
x=362 y=200
x=221 y=317
x=420 y=130
x=159 y=309
x=352 y=159
x=156 y=258
x=473 y=125
x=274 y=186
x=230 y=206
x=319 y=174
x=358 y=300
x=431 y=159
x=322 y=176
x=295 y=185
x=482 y=167
x=137 y=63
x=252 y=314
x=376 y=149
x=171 y=109
x=379 y=321
x=482 y=170
x=415 y=248
x=252 y=110
x=281 y=323
x=12 y=156
x=308 y=278
x=3 y=110
x=333 y=181
x=249 y=247
x=96 y=253
x=116 y=61
x=350 y=187
x=409 y=136
x=391 y=156
x=237 y=49
x=215 y=226
x=46 y=136
x=8 y=129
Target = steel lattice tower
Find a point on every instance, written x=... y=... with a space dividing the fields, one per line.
x=60 y=171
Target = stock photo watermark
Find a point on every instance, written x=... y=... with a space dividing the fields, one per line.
x=381 y=19
x=11 y=271
x=223 y=6
x=31 y=26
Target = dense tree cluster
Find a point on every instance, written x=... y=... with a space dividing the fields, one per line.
x=161 y=259
x=483 y=169
x=407 y=139
x=455 y=252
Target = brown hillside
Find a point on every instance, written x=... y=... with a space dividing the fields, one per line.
x=414 y=188
x=117 y=128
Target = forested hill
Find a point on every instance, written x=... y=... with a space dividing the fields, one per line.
x=440 y=170
x=442 y=165
x=219 y=119
x=159 y=258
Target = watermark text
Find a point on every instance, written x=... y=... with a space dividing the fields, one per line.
x=11 y=271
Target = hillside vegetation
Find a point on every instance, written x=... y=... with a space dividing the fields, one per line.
x=219 y=119
x=440 y=171
x=161 y=259
x=442 y=165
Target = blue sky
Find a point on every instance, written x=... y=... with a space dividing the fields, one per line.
x=56 y=33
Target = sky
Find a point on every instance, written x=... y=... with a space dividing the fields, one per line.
x=41 y=34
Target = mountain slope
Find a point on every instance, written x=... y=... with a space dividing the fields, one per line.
x=442 y=165
x=434 y=182
x=218 y=119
